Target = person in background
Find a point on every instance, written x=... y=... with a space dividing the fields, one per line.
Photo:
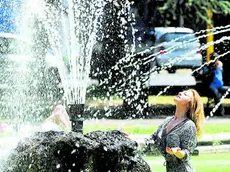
x=217 y=87
x=59 y=120
x=5 y=128
x=176 y=138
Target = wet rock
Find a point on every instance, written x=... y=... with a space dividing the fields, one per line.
x=94 y=152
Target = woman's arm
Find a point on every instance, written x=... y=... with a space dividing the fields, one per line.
x=158 y=132
x=188 y=142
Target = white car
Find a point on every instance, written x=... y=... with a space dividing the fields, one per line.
x=176 y=47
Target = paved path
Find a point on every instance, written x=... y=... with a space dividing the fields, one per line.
x=182 y=77
x=166 y=79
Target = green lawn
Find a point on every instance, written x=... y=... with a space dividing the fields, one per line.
x=219 y=162
x=141 y=129
x=216 y=128
x=149 y=129
x=154 y=100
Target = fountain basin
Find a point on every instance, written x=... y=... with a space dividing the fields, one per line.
x=95 y=151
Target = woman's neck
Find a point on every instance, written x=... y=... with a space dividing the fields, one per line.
x=181 y=112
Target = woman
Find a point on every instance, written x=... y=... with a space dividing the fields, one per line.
x=176 y=137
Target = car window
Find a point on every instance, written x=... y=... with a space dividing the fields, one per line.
x=177 y=37
x=13 y=46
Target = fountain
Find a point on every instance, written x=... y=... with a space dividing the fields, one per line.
x=69 y=29
x=61 y=35
x=69 y=32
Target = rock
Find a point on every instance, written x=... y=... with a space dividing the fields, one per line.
x=97 y=151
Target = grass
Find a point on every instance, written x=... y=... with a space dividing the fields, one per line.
x=6 y=134
x=143 y=129
x=202 y=163
x=131 y=129
x=216 y=128
x=168 y=100
x=149 y=129
x=153 y=100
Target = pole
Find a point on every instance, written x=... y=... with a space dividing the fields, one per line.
x=210 y=48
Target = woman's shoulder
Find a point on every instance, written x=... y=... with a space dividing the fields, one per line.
x=190 y=123
x=169 y=118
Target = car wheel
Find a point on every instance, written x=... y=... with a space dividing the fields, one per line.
x=154 y=67
x=171 y=70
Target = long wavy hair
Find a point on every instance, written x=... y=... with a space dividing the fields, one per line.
x=196 y=112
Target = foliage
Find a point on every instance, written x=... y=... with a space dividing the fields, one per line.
x=201 y=7
x=216 y=142
x=191 y=8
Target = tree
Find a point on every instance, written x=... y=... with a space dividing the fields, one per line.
x=190 y=8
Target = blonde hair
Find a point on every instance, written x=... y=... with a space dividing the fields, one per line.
x=196 y=112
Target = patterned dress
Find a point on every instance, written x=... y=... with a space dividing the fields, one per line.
x=184 y=136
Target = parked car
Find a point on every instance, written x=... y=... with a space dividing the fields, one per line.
x=176 y=47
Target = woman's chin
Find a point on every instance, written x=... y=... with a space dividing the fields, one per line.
x=175 y=99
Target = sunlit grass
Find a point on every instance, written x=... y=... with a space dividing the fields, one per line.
x=6 y=134
x=153 y=100
x=161 y=100
x=112 y=101
x=149 y=129
x=216 y=128
x=202 y=163
x=141 y=129
x=131 y=129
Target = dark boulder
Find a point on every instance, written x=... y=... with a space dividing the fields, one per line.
x=97 y=151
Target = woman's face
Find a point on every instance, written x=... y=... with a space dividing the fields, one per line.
x=183 y=97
